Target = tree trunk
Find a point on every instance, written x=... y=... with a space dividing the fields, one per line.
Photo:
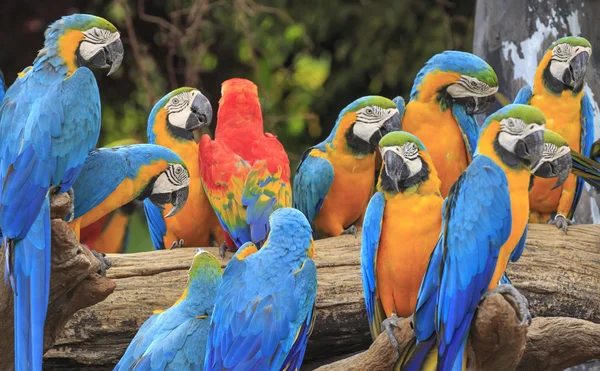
x=512 y=36
x=558 y=273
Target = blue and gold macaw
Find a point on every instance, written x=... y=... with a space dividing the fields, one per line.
x=262 y=321
x=335 y=179
x=113 y=177
x=176 y=338
x=448 y=91
x=483 y=223
x=558 y=92
x=49 y=121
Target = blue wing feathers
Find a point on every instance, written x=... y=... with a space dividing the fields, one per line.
x=524 y=95
x=314 y=177
x=587 y=140
x=468 y=126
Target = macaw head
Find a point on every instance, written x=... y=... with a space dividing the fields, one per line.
x=204 y=278
x=185 y=110
x=516 y=133
x=291 y=232
x=82 y=40
x=556 y=159
x=455 y=77
x=171 y=187
x=365 y=121
x=565 y=64
x=406 y=162
x=239 y=108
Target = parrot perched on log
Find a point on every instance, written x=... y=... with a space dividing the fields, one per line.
x=263 y=318
x=483 y=223
x=334 y=179
x=558 y=92
x=175 y=339
x=109 y=234
x=113 y=177
x=245 y=171
x=174 y=123
x=448 y=91
x=395 y=247
x=49 y=121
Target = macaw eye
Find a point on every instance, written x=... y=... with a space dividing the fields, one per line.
x=178 y=170
x=473 y=83
x=175 y=100
x=369 y=111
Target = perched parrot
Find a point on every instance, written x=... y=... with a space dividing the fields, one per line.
x=396 y=248
x=483 y=223
x=448 y=91
x=176 y=338
x=263 y=318
x=334 y=179
x=109 y=234
x=49 y=121
x=174 y=123
x=245 y=171
x=113 y=177
x=558 y=93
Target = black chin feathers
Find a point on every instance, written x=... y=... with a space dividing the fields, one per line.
x=358 y=145
x=552 y=83
x=387 y=184
x=178 y=132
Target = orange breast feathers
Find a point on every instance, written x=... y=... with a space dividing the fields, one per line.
x=404 y=249
x=563 y=116
x=437 y=129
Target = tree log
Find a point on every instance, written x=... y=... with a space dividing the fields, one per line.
x=75 y=284
x=557 y=272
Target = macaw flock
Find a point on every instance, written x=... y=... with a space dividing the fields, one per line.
x=447 y=212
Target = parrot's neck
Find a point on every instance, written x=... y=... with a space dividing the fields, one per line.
x=428 y=89
x=239 y=114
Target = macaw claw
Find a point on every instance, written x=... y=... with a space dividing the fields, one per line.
x=387 y=324
x=105 y=263
x=176 y=244
x=351 y=230
x=561 y=222
x=519 y=298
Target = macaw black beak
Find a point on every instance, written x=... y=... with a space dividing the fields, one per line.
x=575 y=74
x=114 y=55
x=476 y=105
x=560 y=167
x=395 y=168
x=177 y=199
x=531 y=146
x=391 y=124
x=201 y=116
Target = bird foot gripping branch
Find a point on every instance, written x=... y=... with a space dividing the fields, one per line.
x=520 y=300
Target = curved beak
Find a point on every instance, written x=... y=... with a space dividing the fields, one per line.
x=531 y=145
x=201 y=116
x=395 y=168
x=476 y=105
x=575 y=74
x=559 y=167
x=393 y=123
x=113 y=55
x=177 y=199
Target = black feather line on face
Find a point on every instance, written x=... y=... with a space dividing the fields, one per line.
x=147 y=190
x=357 y=145
x=552 y=83
x=178 y=132
x=510 y=159
x=387 y=184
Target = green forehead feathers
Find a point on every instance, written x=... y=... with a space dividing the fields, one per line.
x=554 y=138
x=571 y=40
x=528 y=114
x=400 y=138
x=371 y=100
x=201 y=261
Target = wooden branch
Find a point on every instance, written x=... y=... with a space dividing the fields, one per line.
x=75 y=284
x=557 y=272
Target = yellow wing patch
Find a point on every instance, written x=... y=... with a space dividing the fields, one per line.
x=248 y=250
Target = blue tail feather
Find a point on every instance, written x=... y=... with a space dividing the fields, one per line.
x=32 y=276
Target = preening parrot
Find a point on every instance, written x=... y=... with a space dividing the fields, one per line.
x=176 y=338
x=558 y=93
x=402 y=225
x=110 y=233
x=483 y=221
x=49 y=121
x=334 y=179
x=246 y=172
x=263 y=317
x=174 y=123
x=113 y=177
x=448 y=91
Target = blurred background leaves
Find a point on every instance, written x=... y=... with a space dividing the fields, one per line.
x=309 y=58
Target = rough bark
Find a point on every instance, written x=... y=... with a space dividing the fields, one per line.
x=512 y=35
x=75 y=284
x=557 y=272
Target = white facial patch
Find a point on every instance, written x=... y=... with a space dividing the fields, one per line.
x=512 y=130
x=409 y=153
x=551 y=152
x=469 y=86
x=179 y=107
x=94 y=40
x=172 y=179
x=562 y=54
x=370 y=119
